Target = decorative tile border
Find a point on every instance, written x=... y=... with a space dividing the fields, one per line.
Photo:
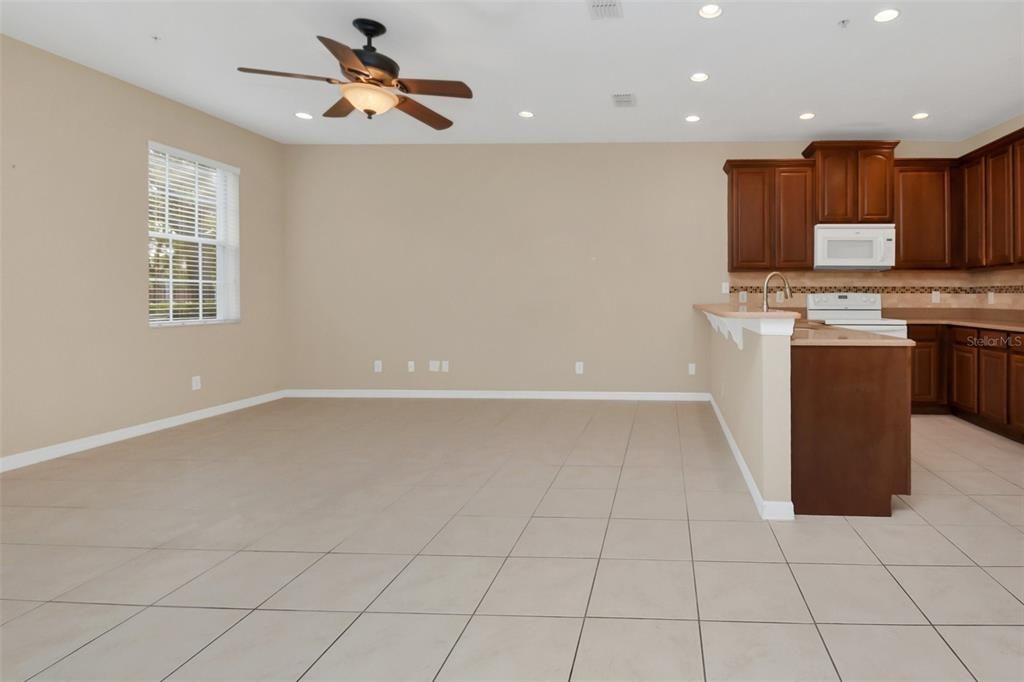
x=860 y=288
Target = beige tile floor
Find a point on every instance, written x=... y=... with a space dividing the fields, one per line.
x=498 y=540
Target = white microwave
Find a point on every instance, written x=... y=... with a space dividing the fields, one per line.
x=859 y=246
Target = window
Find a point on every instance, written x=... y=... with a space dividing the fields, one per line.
x=193 y=239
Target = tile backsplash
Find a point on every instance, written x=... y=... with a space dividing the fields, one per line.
x=899 y=288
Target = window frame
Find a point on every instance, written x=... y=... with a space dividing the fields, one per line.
x=226 y=244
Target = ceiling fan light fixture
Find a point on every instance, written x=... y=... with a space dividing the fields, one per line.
x=369 y=99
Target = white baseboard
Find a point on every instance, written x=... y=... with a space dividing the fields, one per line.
x=771 y=510
x=21 y=459
x=495 y=395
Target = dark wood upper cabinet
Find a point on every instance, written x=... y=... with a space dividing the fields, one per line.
x=771 y=214
x=750 y=216
x=973 y=200
x=924 y=237
x=854 y=180
x=1018 y=202
x=999 y=207
x=794 y=217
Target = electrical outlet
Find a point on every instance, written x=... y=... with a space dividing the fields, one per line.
x=991 y=297
x=197 y=383
x=936 y=296
x=378 y=366
x=434 y=366
x=780 y=296
x=743 y=297
x=579 y=367
x=444 y=365
x=411 y=365
x=725 y=287
x=692 y=368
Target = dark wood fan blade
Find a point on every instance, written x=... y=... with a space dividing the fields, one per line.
x=419 y=86
x=339 y=109
x=284 y=74
x=345 y=55
x=422 y=113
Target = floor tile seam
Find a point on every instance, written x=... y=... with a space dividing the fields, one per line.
x=689 y=534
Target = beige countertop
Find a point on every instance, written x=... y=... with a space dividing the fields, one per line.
x=817 y=334
x=743 y=311
x=982 y=318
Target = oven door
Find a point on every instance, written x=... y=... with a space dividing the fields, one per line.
x=853 y=248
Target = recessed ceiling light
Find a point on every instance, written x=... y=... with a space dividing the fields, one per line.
x=710 y=11
x=303 y=115
x=692 y=118
x=699 y=77
x=886 y=15
x=920 y=116
x=806 y=116
x=525 y=114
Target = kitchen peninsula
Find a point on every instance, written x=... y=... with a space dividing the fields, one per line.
x=817 y=417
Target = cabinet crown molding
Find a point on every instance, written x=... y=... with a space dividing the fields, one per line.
x=810 y=150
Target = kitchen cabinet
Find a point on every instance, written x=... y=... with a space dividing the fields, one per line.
x=964 y=378
x=993 y=371
x=1015 y=397
x=853 y=180
x=999 y=207
x=771 y=214
x=928 y=386
x=924 y=228
x=1018 y=202
x=973 y=201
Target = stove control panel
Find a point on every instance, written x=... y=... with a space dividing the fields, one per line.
x=844 y=301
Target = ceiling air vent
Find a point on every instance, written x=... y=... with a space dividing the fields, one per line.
x=605 y=9
x=624 y=99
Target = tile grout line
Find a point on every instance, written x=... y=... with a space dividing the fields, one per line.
x=689 y=533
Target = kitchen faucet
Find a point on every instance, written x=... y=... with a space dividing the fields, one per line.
x=785 y=282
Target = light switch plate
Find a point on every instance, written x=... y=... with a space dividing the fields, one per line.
x=444 y=365
x=936 y=296
x=435 y=365
x=197 y=383
x=725 y=287
x=579 y=367
x=411 y=365
x=692 y=368
x=378 y=366
x=743 y=297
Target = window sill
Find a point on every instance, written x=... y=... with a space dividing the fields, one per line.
x=191 y=323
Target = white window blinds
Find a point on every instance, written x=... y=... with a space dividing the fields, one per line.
x=193 y=239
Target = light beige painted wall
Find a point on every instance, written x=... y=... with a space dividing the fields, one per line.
x=510 y=261
x=751 y=389
x=78 y=355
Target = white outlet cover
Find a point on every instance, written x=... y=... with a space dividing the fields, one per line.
x=743 y=297
x=444 y=365
x=411 y=365
x=692 y=368
x=725 y=287
x=435 y=365
x=579 y=367
x=197 y=383
x=378 y=366
x=991 y=297
x=780 y=296
x=936 y=296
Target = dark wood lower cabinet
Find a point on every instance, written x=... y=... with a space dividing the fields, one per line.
x=928 y=373
x=993 y=376
x=1015 y=401
x=851 y=432
x=963 y=388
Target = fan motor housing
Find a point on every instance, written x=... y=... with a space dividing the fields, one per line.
x=383 y=69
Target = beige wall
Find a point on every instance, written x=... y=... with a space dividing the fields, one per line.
x=78 y=355
x=510 y=261
x=751 y=390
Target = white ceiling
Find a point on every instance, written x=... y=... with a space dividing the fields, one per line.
x=961 y=61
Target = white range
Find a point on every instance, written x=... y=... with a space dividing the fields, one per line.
x=852 y=310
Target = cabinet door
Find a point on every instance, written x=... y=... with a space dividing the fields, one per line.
x=999 y=207
x=925 y=373
x=874 y=182
x=992 y=378
x=923 y=220
x=1018 y=202
x=837 y=185
x=750 y=220
x=964 y=376
x=1016 y=390
x=974 y=213
x=794 y=217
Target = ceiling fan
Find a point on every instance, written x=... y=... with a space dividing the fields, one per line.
x=372 y=79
